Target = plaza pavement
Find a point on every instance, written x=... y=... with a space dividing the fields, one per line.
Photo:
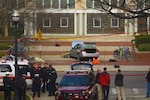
x=131 y=93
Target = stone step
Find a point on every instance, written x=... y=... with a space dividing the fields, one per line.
x=68 y=48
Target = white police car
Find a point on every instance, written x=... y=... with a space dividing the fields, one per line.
x=9 y=66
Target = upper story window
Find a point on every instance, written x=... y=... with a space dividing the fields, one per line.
x=71 y=3
x=63 y=22
x=96 y=22
x=114 y=22
x=89 y=4
x=55 y=3
x=64 y=4
x=47 y=22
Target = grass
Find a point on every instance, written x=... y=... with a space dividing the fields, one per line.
x=12 y=95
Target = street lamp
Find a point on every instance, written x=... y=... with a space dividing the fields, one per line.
x=15 y=18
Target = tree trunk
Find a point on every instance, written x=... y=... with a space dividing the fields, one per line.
x=6 y=30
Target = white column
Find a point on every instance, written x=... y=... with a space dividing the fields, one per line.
x=80 y=24
x=75 y=24
x=126 y=29
x=136 y=25
x=85 y=24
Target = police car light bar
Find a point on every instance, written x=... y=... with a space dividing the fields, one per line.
x=77 y=71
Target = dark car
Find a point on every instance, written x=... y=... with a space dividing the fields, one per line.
x=84 y=50
x=76 y=85
x=82 y=66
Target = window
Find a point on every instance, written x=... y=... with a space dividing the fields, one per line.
x=71 y=3
x=47 y=3
x=96 y=22
x=63 y=22
x=47 y=22
x=89 y=3
x=114 y=22
x=55 y=4
x=5 y=68
x=64 y=4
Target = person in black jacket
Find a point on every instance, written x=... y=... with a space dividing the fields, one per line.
x=7 y=86
x=44 y=76
x=37 y=80
x=148 y=83
x=21 y=87
x=119 y=85
x=52 y=76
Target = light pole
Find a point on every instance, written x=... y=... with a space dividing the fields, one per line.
x=15 y=18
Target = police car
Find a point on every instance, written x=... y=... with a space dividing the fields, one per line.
x=76 y=85
x=9 y=66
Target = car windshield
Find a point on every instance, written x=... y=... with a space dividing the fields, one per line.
x=81 y=67
x=74 y=80
x=89 y=45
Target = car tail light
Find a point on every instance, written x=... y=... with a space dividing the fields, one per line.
x=83 y=51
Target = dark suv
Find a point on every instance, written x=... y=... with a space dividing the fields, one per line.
x=77 y=85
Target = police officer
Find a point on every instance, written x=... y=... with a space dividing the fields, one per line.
x=44 y=76
x=37 y=79
x=52 y=76
x=7 y=87
x=21 y=87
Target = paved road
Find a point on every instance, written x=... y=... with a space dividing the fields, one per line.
x=135 y=86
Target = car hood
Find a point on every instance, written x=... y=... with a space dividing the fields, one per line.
x=73 y=88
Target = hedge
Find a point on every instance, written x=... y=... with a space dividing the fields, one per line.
x=144 y=47
x=4 y=46
x=142 y=42
x=142 y=39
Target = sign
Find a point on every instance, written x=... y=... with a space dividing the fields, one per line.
x=39 y=34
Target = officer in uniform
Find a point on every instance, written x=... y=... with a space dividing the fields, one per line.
x=44 y=76
x=21 y=87
x=37 y=79
x=52 y=76
x=7 y=87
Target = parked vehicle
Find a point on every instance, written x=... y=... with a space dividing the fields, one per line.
x=8 y=66
x=84 y=50
x=82 y=66
x=77 y=85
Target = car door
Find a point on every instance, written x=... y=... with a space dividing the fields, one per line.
x=75 y=51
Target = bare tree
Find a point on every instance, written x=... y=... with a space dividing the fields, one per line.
x=23 y=6
x=131 y=8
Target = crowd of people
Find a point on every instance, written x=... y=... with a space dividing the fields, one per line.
x=103 y=84
x=43 y=77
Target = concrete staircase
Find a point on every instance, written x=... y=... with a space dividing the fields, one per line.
x=48 y=50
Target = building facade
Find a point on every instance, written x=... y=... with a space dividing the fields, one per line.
x=77 y=18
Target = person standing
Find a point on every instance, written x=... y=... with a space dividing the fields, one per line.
x=21 y=87
x=7 y=86
x=52 y=76
x=44 y=76
x=148 y=84
x=105 y=83
x=98 y=86
x=37 y=79
x=119 y=85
